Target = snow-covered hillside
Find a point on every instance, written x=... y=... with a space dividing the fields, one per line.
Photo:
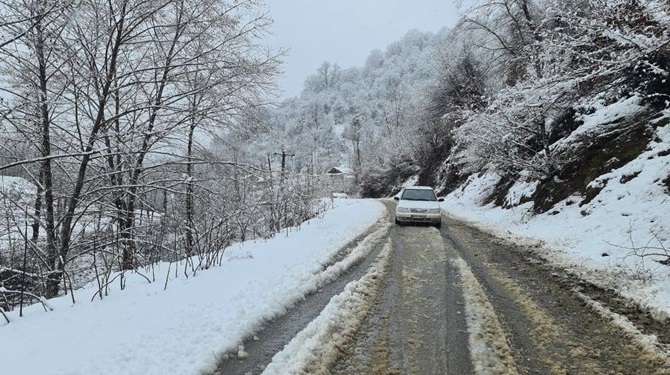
x=619 y=238
x=186 y=327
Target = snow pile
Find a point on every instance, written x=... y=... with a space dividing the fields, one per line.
x=184 y=329
x=356 y=256
x=617 y=232
x=520 y=191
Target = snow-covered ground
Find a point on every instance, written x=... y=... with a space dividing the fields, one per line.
x=610 y=240
x=185 y=328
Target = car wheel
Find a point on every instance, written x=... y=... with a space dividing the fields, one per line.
x=397 y=222
x=438 y=225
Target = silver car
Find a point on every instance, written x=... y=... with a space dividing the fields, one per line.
x=418 y=204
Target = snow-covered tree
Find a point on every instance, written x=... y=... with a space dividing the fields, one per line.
x=109 y=99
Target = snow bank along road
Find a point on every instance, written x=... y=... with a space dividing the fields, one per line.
x=418 y=300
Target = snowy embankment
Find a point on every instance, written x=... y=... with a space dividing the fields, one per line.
x=609 y=240
x=184 y=329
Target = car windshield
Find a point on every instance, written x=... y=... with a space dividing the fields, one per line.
x=419 y=195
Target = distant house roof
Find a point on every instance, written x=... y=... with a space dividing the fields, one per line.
x=339 y=170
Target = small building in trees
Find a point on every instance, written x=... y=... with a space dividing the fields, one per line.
x=340 y=180
x=338 y=171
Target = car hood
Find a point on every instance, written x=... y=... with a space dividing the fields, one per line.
x=418 y=204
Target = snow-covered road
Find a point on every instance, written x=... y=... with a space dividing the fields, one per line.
x=460 y=301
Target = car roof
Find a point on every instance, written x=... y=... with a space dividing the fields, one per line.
x=419 y=187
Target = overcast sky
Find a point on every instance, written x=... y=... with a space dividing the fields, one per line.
x=345 y=31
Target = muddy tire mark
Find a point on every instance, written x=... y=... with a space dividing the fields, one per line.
x=551 y=330
x=418 y=325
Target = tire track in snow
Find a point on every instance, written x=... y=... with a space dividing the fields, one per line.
x=317 y=347
x=654 y=351
x=489 y=350
x=550 y=328
x=417 y=325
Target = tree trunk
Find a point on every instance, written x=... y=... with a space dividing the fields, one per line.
x=126 y=224
x=55 y=272
x=189 y=191
x=37 y=206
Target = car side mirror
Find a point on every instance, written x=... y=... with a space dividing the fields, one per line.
x=440 y=199
x=396 y=198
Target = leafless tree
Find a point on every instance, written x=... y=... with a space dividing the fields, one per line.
x=108 y=96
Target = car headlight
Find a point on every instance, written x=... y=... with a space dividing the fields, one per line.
x=434 y=211
x=402 y=209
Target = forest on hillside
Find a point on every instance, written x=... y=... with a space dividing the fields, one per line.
x=123 y=128
x=499 y=92
x=134 y=132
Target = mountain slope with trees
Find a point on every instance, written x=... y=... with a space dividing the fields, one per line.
x=538 y=108
x=367 y=118
x=557 y=64
x=507 y=91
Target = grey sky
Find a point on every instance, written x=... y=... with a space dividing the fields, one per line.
x=345 y=31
